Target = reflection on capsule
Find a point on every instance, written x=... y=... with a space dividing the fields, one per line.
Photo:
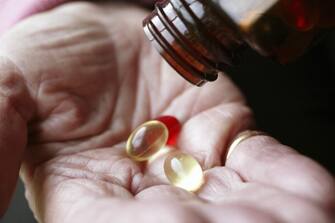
x=146 y=140
x=184 y=171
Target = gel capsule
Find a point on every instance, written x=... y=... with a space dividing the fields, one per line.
x=146 y=140
x=183 y=171
x=173 y=125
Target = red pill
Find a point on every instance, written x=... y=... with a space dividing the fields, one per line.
x=173 y=125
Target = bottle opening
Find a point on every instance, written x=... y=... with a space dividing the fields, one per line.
x=175 y=29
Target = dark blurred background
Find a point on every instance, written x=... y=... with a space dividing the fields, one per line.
x=294 y=103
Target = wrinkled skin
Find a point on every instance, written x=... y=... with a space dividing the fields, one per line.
x=77 y=85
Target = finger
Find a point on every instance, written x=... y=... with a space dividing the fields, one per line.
x=15 y=110
x=262 y=159
x=224 y=186
x=214 y=116
x=209 y=114
x=277 y=203
x=189 y=101
x=205 y=135
x=235 y=212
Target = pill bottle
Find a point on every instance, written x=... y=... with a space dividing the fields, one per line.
x=201 y=38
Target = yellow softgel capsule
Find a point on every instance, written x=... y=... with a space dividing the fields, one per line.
x=146 y=140
x=184 y=171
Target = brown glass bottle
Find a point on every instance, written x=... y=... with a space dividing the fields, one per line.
x=201 y=38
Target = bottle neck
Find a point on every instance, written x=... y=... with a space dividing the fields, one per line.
x=194 y=38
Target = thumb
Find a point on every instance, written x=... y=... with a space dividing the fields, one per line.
x=15 y=110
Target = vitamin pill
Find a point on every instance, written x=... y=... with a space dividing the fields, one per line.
x=146 y=140
x=184 y=171
x=173 y=126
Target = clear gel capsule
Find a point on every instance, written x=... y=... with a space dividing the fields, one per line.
x=146 y=140
x=184 y=171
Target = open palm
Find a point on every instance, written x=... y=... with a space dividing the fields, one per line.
x=83 y=77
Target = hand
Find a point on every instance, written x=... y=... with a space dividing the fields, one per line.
x=78 y=79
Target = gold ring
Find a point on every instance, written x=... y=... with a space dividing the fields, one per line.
x=240 y=138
